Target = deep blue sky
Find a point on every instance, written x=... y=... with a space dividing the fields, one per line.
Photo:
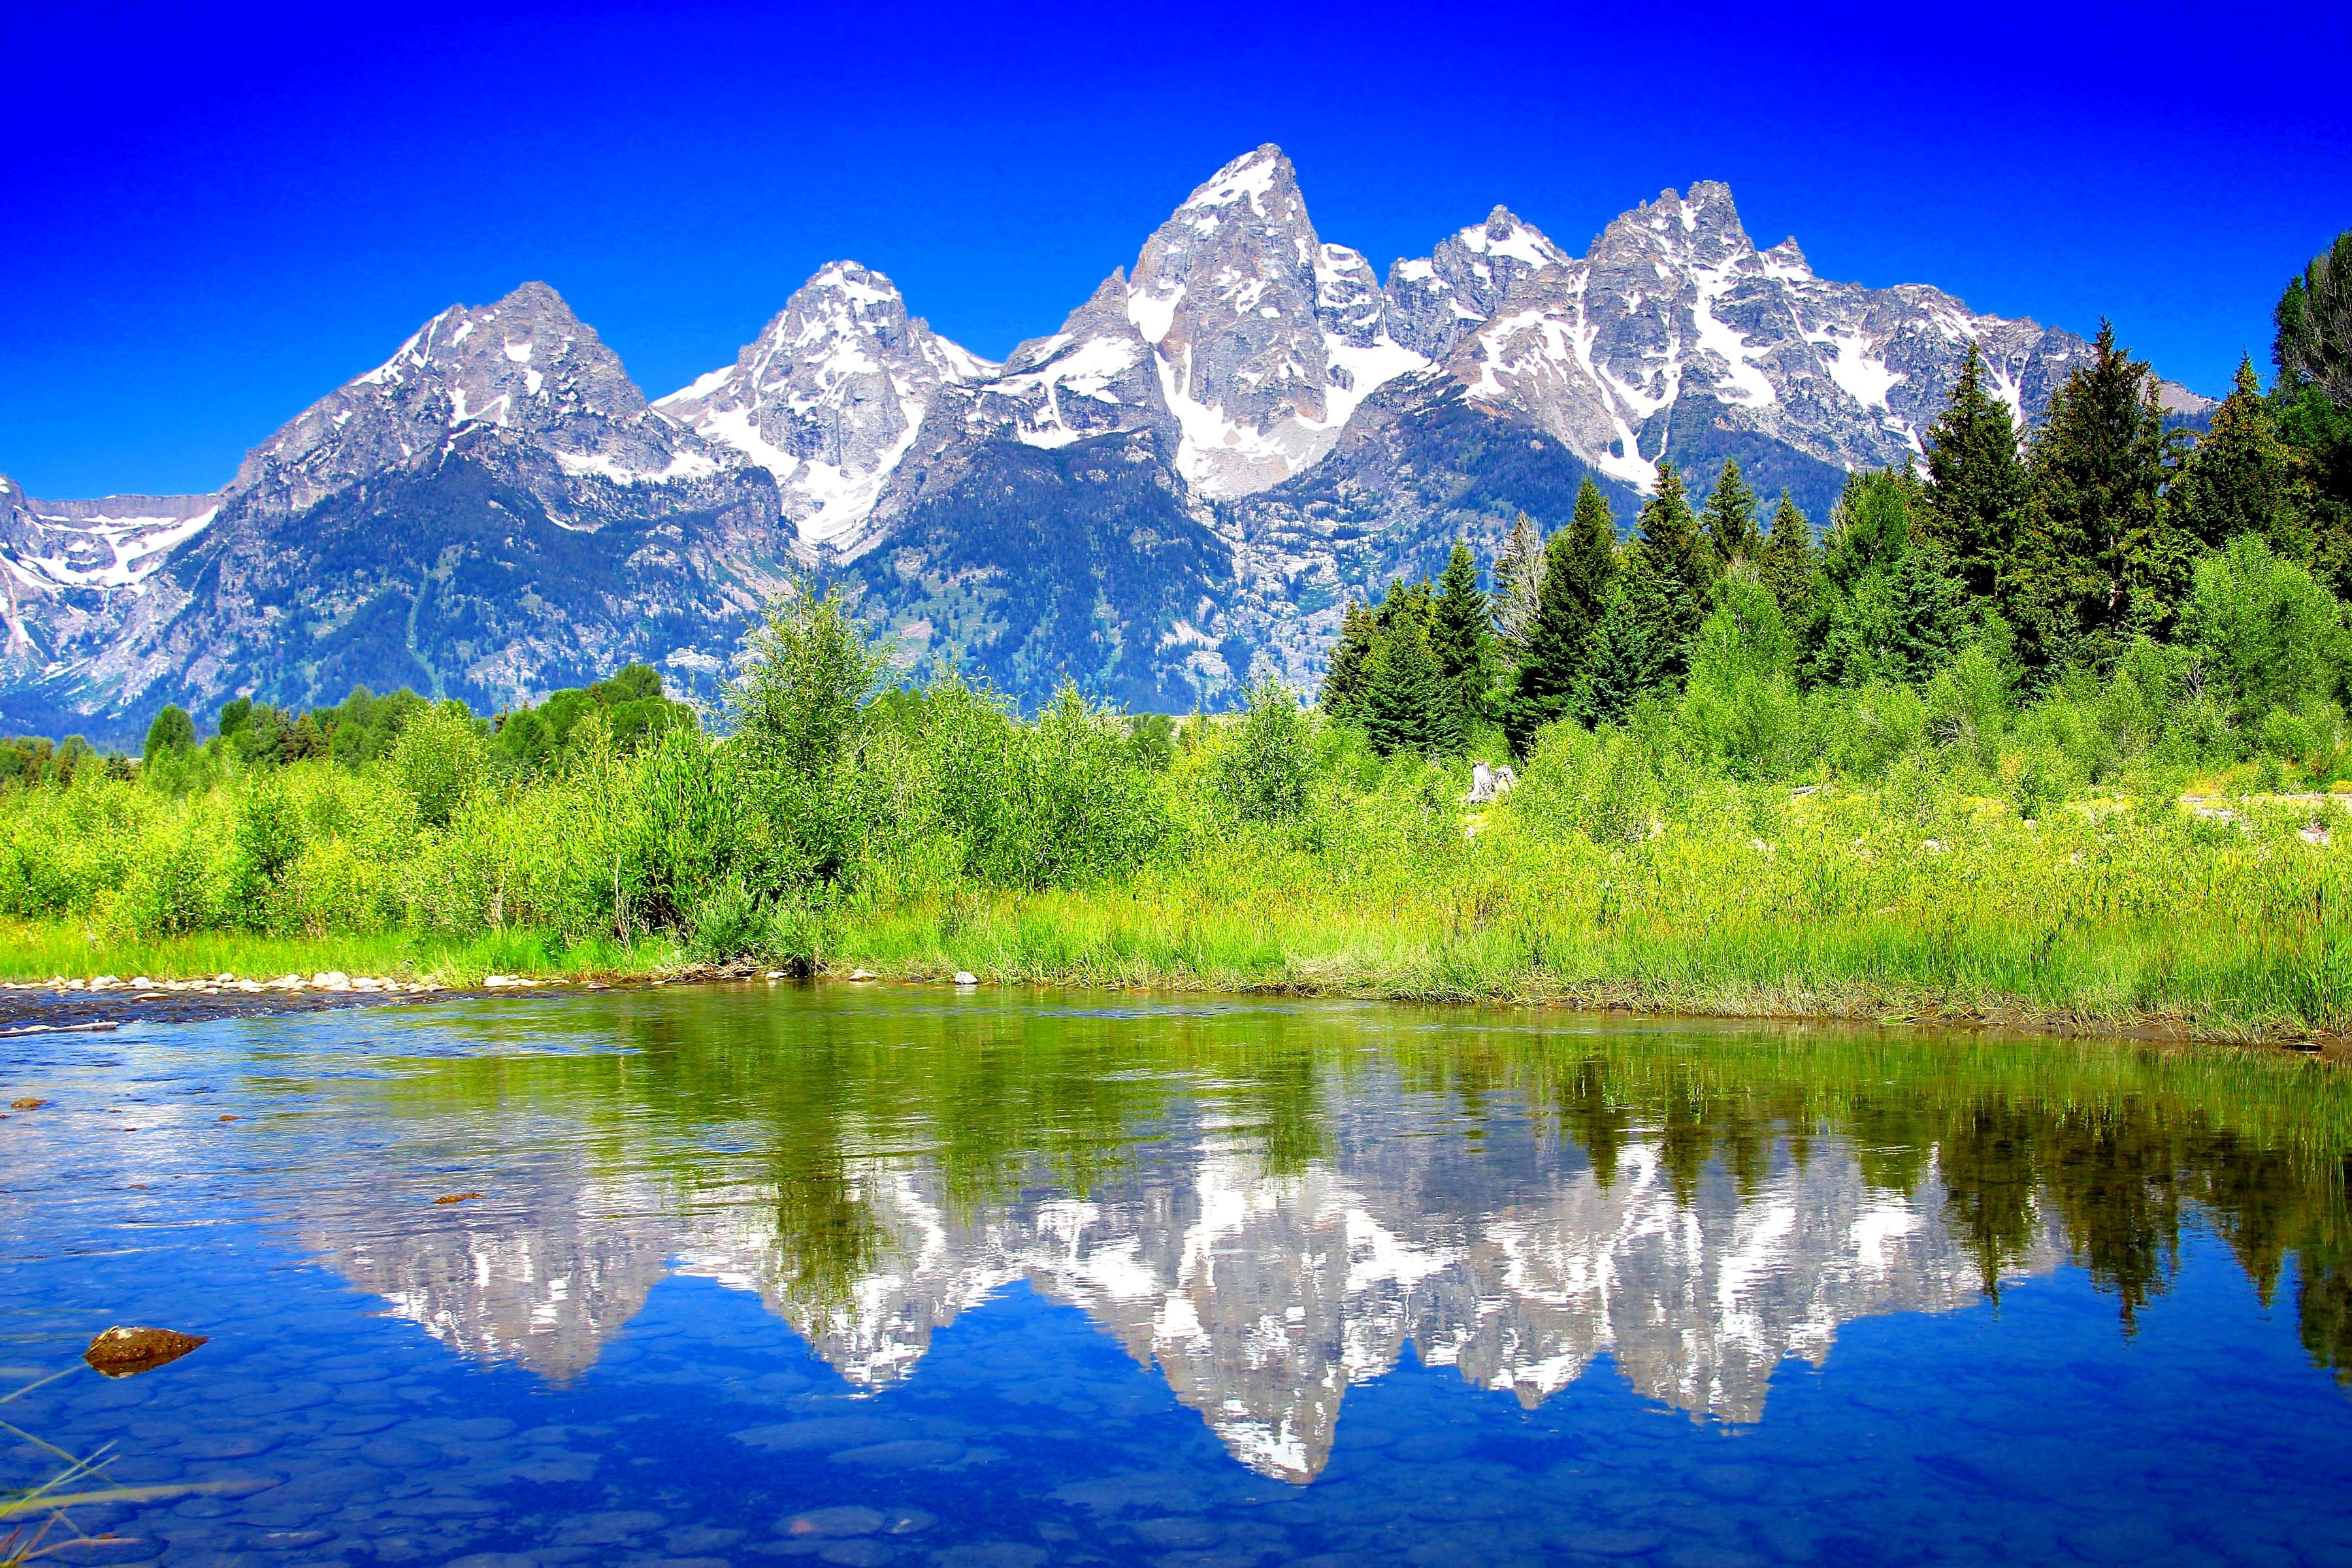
x=215 y=216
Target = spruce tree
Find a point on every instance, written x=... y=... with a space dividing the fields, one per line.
x=1976 y=480
x=2241 y=477
x=1729 y=520
x=1624 y=664
x=1342 y=696
x=1669 y=579
x=2312 y=404
x=1405 y=699
x=1518 y=582
x=1788 y=561
x=1459 y=640
x=1579 y=561
x=2097 y=556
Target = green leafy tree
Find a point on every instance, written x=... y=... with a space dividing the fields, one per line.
x=2273 y=636
x=1267 y=771
x=171 y=734
x=2241 y=477
x=1789 y=562
x=1344 y=683
x=1579 y=561
x=1740 y=706
x=2098 y=556
x=798 y=705
x=1729 y=520
x=1459 y=640
x=1976 y=480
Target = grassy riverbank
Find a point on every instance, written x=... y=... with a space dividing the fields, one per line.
x=1940 y=851
x=2113 y=914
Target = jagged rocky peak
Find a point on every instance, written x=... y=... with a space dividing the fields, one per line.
x=524 y=373
x=1265 y=339
x=830 y=395
x=1702 y=227
x=1434 y=300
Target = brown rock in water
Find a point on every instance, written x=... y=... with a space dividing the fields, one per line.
x=456 y=1198
x=27 y=1104
x=120 y=1352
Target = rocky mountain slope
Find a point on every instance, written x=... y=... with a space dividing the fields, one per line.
x=1175 y=492
x=493 y=510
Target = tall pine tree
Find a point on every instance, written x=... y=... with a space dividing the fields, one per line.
x=2312 y=401
x=1459 y=640
x=1976 y=480
x=1579 y=561
x=1669 y=580
x=2241 y=477
x=2097 y=557
x=1344 y=683
x=1730 y=520
x=1788 y=561
x=1407 y=707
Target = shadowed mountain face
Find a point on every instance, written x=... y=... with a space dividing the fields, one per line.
x=1272 y=1207
x=1171 y=494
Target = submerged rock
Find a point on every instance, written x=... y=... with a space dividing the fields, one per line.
x=122 y=1352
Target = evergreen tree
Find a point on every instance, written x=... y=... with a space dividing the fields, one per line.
x=1888 y=605
x=1459 y=640
x=1787 y=563
x=2241 y=477
x=1342 y=697
x=2097 y=556
x=2312 y=401
x=1406 y=705
x=1625 y=662
x=1579 y=561
x=1669 y=580
x=1518 y=584
x=1976 y=480
x=1729 y=520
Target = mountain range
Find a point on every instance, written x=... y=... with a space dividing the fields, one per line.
x=1171 y=495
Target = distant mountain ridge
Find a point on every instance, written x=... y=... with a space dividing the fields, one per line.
x=1174 y=492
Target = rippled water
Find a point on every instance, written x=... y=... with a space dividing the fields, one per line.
x=894 y=1276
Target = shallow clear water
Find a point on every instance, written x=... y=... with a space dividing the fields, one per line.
x=899 y=1276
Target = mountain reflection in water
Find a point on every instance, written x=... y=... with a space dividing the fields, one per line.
x=1271 y=1204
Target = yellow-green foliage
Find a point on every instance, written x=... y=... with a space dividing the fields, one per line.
x=1890 y=850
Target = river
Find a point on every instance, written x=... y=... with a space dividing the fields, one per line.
x=899 y=1275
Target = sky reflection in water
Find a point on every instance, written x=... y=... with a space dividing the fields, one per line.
x=877 y=1276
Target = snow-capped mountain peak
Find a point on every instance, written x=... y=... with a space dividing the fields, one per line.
x=829 y=397
x=1265 y=339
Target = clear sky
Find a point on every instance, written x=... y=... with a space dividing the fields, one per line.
x=214 y=215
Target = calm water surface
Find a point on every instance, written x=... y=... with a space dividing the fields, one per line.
x=897 y=1277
